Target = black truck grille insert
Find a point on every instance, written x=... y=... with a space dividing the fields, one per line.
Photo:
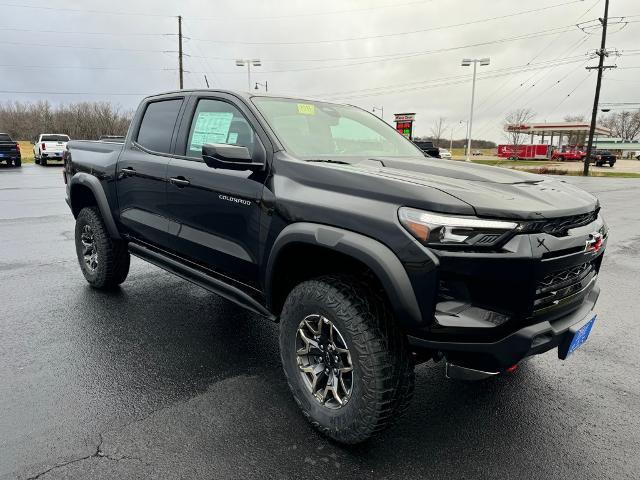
x=560 y=226
x=562 y=287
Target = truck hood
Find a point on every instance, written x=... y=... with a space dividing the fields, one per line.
x=489 y=191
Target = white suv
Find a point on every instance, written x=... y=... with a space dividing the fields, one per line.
x=444 y=153
x=49 y=146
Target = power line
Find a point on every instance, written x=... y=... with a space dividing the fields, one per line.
x=42 y=92
x=464 y=78
x=78 y=10
x=389 y=35
x=314 y=14
x=390 y=57
x=75 y=67
x=83 y=47
x=67 y=32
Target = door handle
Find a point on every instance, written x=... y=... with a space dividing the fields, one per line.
x=128 y=171
x=180 y=182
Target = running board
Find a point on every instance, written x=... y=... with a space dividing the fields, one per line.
x=201 y=279
x=456 y=372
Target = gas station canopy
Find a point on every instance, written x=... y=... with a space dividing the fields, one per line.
x=559 y=128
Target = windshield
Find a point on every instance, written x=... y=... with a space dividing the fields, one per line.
x=316 y=129
x=55 y=138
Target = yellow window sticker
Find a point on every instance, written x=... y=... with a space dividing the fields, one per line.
x=306 y=109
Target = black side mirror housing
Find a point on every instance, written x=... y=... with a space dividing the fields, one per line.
x=231 y=157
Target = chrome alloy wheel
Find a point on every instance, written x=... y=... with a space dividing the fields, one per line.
x=89 y=250
x=324 y=361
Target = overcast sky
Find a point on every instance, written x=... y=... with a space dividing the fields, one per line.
x=403 y=55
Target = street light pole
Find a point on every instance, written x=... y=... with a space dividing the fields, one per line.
x=242 y=62
x=465 y=63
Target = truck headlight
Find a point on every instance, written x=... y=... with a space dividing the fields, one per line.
x=435 y=229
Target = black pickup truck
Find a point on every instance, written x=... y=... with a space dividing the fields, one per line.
x=10 y=150
x=323 y=218
x=602 y=157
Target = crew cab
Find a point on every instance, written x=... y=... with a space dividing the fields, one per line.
x=323 y=218
x=10 y=150
x=49 y=146
x=602 y=157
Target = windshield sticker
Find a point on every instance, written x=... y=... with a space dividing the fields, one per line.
x=211 y=127
x=306 y=109
x=233 y=137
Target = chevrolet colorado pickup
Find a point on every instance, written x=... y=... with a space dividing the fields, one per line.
x=323 y=218
x=10 y=150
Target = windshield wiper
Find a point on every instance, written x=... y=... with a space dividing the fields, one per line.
x=321 y=160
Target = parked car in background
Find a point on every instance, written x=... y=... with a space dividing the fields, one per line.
x=428 y=148
x=444 y=153
x=570 y=153
x=477 y=153
x=49 y=146
x=9 y=150
x=602 y=157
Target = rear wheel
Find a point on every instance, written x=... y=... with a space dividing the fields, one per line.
x=43 y=161
x=346 y=362
x=103 y=260
x=18 y=162
x=611 y=164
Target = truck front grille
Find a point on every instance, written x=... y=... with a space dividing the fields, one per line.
x=562 y=287
x=560 y=226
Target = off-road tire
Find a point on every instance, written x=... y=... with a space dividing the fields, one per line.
x=113 y=255
x=383 y=368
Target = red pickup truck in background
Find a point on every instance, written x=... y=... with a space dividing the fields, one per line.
x=570 y=153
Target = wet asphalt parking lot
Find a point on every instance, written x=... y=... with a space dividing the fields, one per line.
x=164 y=380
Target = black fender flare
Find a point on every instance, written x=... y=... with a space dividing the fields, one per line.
x=93 y=184
x=375 y=255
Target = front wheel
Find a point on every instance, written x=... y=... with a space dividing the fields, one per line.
x=346 y=362
x=103 y=260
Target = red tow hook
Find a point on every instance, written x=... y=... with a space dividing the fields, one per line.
x=512 y=368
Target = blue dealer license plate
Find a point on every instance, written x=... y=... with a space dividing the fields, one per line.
x=581 y=336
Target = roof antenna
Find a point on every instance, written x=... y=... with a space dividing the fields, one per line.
x=206 y=81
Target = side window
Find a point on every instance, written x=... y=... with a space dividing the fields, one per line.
x=215 y=121
x=157 y=125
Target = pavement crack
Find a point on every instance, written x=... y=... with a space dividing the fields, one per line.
x=98 y=453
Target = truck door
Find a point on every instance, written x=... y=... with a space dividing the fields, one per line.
x=141 y=180
x=215 y=212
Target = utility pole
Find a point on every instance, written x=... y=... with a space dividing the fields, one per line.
x=180 y=66
x=601 y=67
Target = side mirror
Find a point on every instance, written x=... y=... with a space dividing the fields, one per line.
x=231 y=157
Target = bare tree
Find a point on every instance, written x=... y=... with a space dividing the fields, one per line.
x=437 y=130
x=623 y=124
x=515 y=119
x=576 y=138
x=85 y=120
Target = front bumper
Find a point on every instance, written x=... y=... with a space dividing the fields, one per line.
x=501 y=354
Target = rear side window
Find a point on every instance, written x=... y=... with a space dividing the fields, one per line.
x=157 y=125
x=4 y=137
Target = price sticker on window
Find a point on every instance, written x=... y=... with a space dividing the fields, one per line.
x=306 y=109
